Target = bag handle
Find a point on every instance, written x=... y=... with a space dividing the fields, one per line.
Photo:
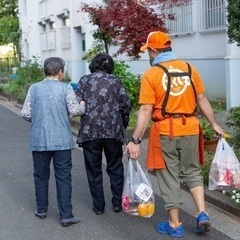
x=138 y=168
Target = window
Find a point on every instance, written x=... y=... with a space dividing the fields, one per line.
x=212 y=14
x=65 y=37
x=52 y=25
x=43 y=37
x=51 y=40
x=66 y=22
x=48 y=40
x=182 y=22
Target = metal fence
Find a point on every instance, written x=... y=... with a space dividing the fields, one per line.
x=7 y=64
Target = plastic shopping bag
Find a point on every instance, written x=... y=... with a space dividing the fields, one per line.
x=225 y=168
x=138 y=197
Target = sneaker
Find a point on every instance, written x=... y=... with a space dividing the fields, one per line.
x=165 y=228
x=203 y=224
x=117 y=208
x=40 y=215
x=97 y=212
x=70 y=221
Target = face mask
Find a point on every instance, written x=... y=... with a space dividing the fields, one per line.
x=151 y=61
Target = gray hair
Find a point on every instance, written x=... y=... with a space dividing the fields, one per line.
x=53 y=65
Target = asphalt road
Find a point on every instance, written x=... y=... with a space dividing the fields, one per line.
x=17 y=201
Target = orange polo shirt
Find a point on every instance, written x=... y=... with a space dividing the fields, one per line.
x=181 y=97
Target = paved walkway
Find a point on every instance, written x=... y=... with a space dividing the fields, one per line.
x=18 y=204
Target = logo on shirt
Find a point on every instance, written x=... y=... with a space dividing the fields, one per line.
x=179 y=84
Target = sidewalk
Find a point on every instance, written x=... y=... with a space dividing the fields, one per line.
x=17 y=198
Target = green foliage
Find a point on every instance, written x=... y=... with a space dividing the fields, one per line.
x=93 y=51
x=233 y=121
x=9 y=32
x=234 y=195
x=208 y=132
x=207 y=129
x=130 y=81
x=9 y=24
x=8 y=8
x=30 y=72
x=206 y=168
x=233 y=10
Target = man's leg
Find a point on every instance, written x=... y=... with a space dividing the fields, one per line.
x=190 y=172
x=203 y=223
x=198 y=197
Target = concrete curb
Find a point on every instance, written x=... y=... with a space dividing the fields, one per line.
x=222 y=201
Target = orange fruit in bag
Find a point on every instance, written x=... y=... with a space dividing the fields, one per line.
x=146 y=209
x=151 y=208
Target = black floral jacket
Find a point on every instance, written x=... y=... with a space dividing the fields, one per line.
x=107 y=107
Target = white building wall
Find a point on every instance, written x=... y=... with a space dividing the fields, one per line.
x=30 y=42
x=34 y=15
x=209 y=50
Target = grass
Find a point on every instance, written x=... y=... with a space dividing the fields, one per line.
x=218 y=106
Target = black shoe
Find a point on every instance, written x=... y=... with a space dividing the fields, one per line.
x=40 y=215
x=70 y=221
x=98 y=212
x=117 y=208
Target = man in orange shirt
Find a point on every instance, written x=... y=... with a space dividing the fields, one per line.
x=170 y=92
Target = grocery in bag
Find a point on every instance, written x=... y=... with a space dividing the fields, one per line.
x=138 y=197
x=225 y=168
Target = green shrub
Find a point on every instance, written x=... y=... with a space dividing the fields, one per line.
x=233 y=121
x=30 y=72
x=130 y=81
x=206 y=168
x=208 y=132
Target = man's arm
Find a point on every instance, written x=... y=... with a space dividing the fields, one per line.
x=144 y=115
x=207 y=111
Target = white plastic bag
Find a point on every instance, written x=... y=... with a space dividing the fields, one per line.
x=138 y=197
x=225 y=168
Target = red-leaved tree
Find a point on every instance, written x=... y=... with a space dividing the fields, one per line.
x=127 y=23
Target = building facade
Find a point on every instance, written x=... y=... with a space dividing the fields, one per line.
x=55 y=28
x=199 y=34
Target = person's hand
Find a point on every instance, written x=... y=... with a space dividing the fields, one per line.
x=133 y=150
x=219 y=131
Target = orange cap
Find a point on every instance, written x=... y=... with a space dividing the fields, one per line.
x=157 y=40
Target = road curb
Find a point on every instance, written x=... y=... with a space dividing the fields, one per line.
x=222 y=201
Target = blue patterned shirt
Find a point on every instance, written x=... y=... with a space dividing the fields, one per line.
x=47 y=106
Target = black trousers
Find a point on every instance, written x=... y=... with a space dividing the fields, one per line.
x=62 y=163
x=93 y=163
